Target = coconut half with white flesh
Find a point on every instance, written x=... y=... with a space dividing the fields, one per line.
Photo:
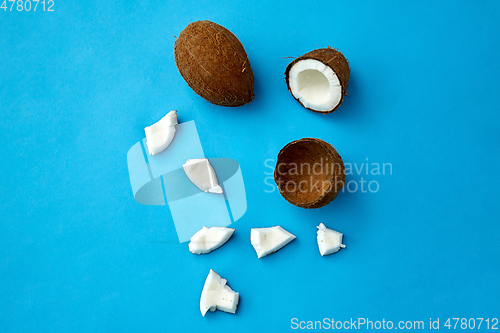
x=160 y=134
x=217 y=295
x=209 y=239
x=318 y=80
x=268 y=240
x=201 y=173
x=329 y=241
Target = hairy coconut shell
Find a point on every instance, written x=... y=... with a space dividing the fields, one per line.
x=309 y=173
x=332 y=58
x=214 y=64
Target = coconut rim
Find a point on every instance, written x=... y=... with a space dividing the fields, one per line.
x=324 y=145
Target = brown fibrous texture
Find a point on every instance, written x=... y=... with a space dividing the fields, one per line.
x=332 y=58
x=309 y=173
x=214 y=64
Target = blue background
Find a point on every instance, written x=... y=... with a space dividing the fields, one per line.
x=78 y=86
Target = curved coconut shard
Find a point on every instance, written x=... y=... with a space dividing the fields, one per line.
x=329 y=241
x=269 y=240
x=217 y=295
x=160 y=134
x=318 y=80
x=201 y=173
x=209 y=239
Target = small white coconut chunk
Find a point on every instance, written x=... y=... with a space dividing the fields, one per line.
x=208 y=239
x=160 y=134
x=217 y=295
x=315 y=85
x=269 y=240
x=329 y=241
x=201 y=173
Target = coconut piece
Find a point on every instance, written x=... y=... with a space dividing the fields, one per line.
x=160 y=134
x=309 y=173
x=209 y=239
x=268 y=240
x=201 y=173
x=329 y=240
x=318 y=80
x=214 y=64
x=217 y=295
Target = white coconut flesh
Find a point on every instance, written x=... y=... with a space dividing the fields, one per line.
x=329 y=241
x=201 y=173
x=208 y=239
x=217 y=295
x=315 y=85
x=160 y=134
x=269 y=240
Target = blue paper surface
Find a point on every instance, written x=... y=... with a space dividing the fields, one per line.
x=418 y=132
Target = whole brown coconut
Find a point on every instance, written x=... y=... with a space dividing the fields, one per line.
x=214 y=64
x=309 y=173
x=318 y=80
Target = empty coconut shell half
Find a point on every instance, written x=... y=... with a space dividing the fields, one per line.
x=214 y=64
x=318 y=79
x=309 y=173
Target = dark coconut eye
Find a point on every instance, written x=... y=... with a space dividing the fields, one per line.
x=318 y=79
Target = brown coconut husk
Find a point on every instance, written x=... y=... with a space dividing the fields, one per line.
x=214 y=64
x=320 y=184
x=332 y=58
